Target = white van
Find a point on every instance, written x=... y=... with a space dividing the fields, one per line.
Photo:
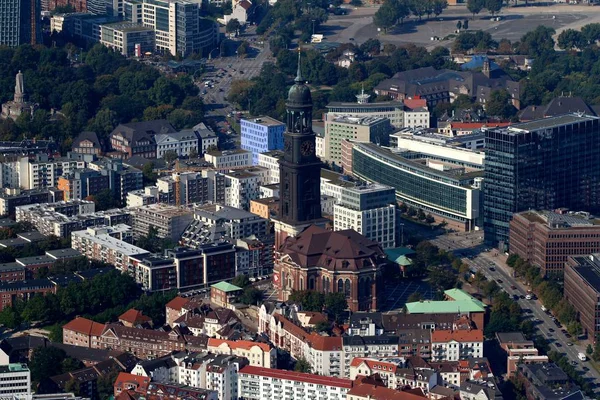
x=581 y=356
x=544 y=309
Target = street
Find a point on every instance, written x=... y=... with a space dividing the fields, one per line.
x=494 y=268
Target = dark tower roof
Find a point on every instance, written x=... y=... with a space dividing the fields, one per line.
x=299 y=94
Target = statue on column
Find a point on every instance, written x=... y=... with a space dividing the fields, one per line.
x=19 y=88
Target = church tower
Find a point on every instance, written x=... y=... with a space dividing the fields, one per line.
x=300 y=168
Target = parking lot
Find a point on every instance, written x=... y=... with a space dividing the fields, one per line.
x=397 y=294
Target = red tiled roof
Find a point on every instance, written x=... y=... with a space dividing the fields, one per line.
x=297 y=376
x=443 y=336
x=238 y=344
x=376 y=392
x=415 y=103
x=177 y=303
x=134 y=316
x=85 y=326
x=316 y=341
x=137 y=380
x=374 y=364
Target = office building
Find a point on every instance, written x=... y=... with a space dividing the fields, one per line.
x=105 y=7
x=256 y=383
x=122 y=178
x=525 y=171
x=518 y=350
x=392 y=110
x=260 y=135
x=182 y=143
x=447 y=190
x=138 y=138
x=582 y=290
x=81 y=26
x=546 y=239
x=191 y=187
x=128 y=38
x=365 y=129
x=370 y=210
x=169 y=221
x=100 y=243
x=15 y=381
x=20 y=22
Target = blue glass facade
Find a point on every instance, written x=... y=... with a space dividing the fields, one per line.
x=261 y=135
x=540 y=165
x=20 y=22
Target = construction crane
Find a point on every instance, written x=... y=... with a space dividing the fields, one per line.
x=177 y=184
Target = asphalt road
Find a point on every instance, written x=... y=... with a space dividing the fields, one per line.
x=501 y=273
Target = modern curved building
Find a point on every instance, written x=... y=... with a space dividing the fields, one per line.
x=448 y=191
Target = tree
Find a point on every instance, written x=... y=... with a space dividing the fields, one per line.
x=429 y=219
x=104 y=200
x=459 y=25
x=537 y=42
x=493 y=6
x=420 y=215
x=571 y=39
x=73 y=386
x=55 y=333
x=251 y=295
x=45 y=362
x=10 y=317
x=170 y=155
x=242 y=50
x=416 y=296
x=439 y=6
x=466 y=24
x=105 y=384
x=323 y=326
x=589 y=350
x=499 y=104
x=356 y=3
x=475 y=6
x=241 y=281
x=193 y=153
x=335 y=304
x=591 y=32
x=233 y=25
x=302 y=366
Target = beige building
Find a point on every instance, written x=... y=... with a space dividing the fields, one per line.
x=362 y=129
x=259 y=354
x=83 y=332
x=169 y=221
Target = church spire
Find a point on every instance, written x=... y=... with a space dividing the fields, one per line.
x=299 y=78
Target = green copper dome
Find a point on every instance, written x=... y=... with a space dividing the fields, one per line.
x=299 y=93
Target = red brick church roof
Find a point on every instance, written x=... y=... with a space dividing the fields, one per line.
x=345 y=250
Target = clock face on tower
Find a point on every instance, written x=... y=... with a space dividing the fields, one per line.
x=307 y=148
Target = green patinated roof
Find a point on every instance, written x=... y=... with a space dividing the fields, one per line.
x=459 y=302
x=225 y=287
x=399 y=255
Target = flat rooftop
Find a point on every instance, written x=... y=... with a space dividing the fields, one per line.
x=370 y=188
x=364 y=121
x=551 y=122
x=165 y=210
x=561 y=221
x=217 y=153
x=264 y=121
x=109 y=242
x=382 y=104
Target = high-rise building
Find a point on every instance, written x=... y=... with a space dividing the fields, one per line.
x=540 y=165
x=260 y=135
x=300 y=170
x=369 y=210
x=20 y=22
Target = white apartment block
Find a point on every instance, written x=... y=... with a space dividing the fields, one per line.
x=104 y=244
x=258 y=354
x=367 y=346
x=270 y=160
x=15 y=381
x=182 y=143
x=416 y=118
x=222 y=160
x=256 y=383
x=454 y=345
x=240 y=188
x=40 y=174
x=9 y=173
x=320 y=147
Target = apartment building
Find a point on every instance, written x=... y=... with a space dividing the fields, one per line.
x=258 y=354
x=240 y=188
x=11 y=198
x=256 y=383
x=370 y=210
x=270 y=160
x=81 y=183
x=454 y=345
x=169 y=221
x=100 y=243
x=83 y=332
x=223 y=160
x=11 y=292
x=182 y=143
x=367 y=346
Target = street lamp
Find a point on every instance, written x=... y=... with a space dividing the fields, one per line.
x=210 y=54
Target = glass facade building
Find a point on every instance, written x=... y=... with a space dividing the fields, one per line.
x=540 y=165
x=449 y=195
x=20 y=22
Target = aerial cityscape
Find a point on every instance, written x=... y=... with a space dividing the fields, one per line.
x=299 y=199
